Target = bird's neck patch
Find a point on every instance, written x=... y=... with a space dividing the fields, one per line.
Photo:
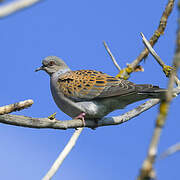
x=61 y=71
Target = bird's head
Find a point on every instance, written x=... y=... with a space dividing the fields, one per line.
x=52 y=64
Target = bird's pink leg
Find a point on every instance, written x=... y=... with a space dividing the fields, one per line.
x=81 y=116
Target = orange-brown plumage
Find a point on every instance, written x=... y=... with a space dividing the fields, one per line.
x=91 y=84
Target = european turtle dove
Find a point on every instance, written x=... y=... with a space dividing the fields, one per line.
x=92 y=94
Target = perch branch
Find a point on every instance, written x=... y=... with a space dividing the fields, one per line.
x=160 y=30
x=24 y=121
x=16 y=106
x=63 y=155
x=15 y=6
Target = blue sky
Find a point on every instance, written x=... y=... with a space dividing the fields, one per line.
x=74 y=31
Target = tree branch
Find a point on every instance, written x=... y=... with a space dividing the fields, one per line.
x=30 y=122
x=166 y=69
x=111 y=55
x=160 y=30
x=16 y=106
x=63 y=155
x=147 y=167
x=171 y=150
x=15 y=6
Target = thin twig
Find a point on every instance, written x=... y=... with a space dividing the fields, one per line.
x=15 y=6
x=63 y=155
x=16 y=106
x=152 y=51
x=171 y=150
x=160 y=30
x=111 y=55
x=167 y=69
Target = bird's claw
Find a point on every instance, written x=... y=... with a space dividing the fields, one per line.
x=81 y=117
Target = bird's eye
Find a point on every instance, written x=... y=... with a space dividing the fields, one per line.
x=51 y=63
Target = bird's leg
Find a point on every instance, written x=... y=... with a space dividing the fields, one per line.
x=81 y=116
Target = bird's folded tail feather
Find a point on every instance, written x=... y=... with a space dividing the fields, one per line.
x=151 y=91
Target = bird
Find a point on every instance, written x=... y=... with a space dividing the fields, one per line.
x=92 y=94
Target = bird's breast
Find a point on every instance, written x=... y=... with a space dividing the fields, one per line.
x=65 y=104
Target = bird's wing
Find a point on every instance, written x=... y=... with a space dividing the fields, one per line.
x=90 y=84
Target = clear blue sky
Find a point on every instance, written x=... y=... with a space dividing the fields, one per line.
x=74 y=31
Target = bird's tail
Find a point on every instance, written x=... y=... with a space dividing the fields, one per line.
x=151 y=91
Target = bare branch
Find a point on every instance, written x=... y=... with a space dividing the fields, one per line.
x=167 y=69
x=160 y=30
x=63 y=155
x=16 y=106
x=152 y=51
x=171 y=150
x=147 y=167
x=15 y=6
x=30 y=122
x=112 y=57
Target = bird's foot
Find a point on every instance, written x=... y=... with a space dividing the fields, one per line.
x=81 y=117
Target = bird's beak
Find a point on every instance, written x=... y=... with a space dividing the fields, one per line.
x=40 y=68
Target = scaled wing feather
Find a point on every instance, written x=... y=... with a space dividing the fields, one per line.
x=90 y=84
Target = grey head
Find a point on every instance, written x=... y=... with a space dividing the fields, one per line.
x=52 y=64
